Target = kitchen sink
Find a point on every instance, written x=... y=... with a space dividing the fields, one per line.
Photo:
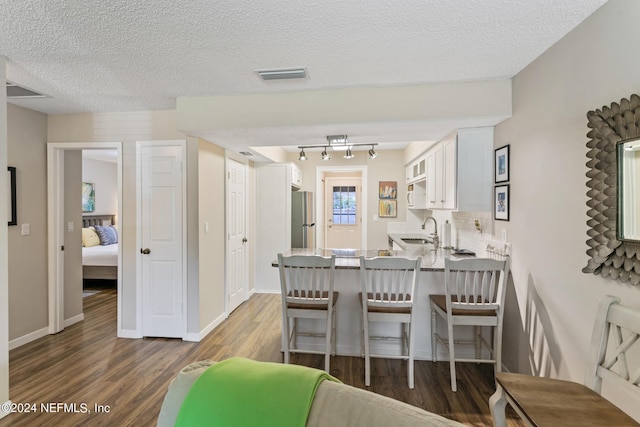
x=416 y=241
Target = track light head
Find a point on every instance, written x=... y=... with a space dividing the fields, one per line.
x=325 y=156
x=303 y=156
x=348 y=154
x=372 y=153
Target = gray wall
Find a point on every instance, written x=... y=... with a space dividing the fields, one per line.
x=73 y=239
x=551 y=305
x=27 y=136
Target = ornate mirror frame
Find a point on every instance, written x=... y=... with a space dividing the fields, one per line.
x=609 y=256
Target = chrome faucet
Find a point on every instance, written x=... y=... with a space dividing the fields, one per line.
x=436 y=239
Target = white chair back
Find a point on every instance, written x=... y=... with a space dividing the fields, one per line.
x=389 y=281
x=307 y=279
x=615 y=343
x=476 y=283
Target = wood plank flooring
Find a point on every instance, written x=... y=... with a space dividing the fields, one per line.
x=87 y=364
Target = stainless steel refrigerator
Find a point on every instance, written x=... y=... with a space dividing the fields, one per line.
x=302 y=219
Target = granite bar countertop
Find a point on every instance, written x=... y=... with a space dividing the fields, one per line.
x=432 y=260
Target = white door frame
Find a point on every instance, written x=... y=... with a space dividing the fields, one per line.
x=55 y=228
x=320 y=171
x=230 y=156
x=183 y=145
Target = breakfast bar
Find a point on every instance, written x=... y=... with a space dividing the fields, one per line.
x=349 y=316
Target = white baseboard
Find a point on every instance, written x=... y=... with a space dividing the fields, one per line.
x=25 y=339
x=72 y=320
x=129 y=333
x=266 y=291
x=32 y=336
x=206 y=331
x=3 y=413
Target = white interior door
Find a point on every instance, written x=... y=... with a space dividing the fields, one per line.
x=161 y=221
x=343 y=200
x=237 y=261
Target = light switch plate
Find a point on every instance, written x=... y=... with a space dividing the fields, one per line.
x=26 y=229
x=504 y=234
x=70 y=226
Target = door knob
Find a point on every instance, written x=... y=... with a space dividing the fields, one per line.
x=244 y=240
x=145 y=251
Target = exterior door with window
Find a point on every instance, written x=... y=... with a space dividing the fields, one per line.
x=344 y=221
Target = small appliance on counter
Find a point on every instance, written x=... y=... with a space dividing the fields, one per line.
x=302 y=219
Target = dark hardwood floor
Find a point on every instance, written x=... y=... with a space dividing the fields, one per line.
x=87 y=365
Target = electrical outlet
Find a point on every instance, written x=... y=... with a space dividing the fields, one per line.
x=504 y=235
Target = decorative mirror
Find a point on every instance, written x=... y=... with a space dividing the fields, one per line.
x=613 y=253
x=628 y=169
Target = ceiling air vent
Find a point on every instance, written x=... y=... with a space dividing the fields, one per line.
x=290 y=73
x=18 y=92
x=246 y=153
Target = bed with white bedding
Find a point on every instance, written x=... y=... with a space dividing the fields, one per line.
x=99 y=260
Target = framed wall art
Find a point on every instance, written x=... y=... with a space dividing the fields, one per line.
x=12 y=208
x=388 y=208
x=501 y=202
x=502 y=164
x=388 y=189
x=88 y=197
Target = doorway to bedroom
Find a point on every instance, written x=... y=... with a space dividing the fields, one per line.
x=83 y=195
x=100 y=234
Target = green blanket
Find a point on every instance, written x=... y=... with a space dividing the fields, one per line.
x=243 y=392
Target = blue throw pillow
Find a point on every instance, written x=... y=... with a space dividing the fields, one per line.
x=108 y=235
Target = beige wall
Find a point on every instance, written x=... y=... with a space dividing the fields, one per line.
x=211 y=193
x=552 y=304
x=388 y=166
x=27 y=136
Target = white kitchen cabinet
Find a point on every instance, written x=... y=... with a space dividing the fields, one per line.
x=417 y=195
x=434 y=177
x=416 y=170
x=459 y=171
x=273 y=221
x=296 y=176
x=409 y=173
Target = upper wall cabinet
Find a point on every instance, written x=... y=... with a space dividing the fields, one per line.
x=296 y=177
x=416 y=171
x=459 y=171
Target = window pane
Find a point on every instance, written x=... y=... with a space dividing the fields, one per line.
x=344 y=205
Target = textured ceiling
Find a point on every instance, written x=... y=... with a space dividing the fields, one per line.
x=117 y=55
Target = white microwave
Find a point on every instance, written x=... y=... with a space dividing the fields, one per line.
x=410 y=195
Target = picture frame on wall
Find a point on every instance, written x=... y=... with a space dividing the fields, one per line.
x=502 y=164
x=501 y=202
x=388 y=208
x=88 y=197
x=12 y=207
x=388 y=189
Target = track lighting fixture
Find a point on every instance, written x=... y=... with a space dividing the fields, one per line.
x=337 y=143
